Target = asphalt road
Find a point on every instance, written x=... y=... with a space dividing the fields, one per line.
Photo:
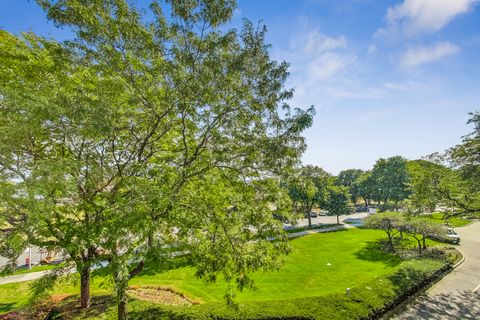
x=457 y=296
x=331 y=219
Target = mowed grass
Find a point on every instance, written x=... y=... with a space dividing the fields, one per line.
x=319 y=264
x=452 y=222
x=17 y=295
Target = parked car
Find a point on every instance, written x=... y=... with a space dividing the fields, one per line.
x=47 y=260
x=312 y=215
x=323 y=213
x=361 y=209
x=452 y=236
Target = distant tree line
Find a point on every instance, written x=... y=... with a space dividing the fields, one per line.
x=448 y=182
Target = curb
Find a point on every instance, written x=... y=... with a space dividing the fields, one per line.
x=394 y=311
x=459 y=262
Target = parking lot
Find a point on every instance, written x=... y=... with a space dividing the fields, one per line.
x=331 y=219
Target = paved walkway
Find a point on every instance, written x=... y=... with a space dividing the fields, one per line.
x=24 y=277
x=457 y=296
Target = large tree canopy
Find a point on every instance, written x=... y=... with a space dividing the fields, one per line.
x=390 y=177
x=140 y=135
x=351 y=178
x=308 y=187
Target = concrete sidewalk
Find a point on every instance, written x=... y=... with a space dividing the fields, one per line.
x=24 y=277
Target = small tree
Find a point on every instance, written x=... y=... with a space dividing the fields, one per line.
x=388 y=222
x=420 y=228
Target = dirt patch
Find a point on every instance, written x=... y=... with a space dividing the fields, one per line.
x=56 y=298
x=165 y=295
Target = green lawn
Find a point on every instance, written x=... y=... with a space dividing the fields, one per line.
x=321 y=264
x=452 y=222
x=324 y=263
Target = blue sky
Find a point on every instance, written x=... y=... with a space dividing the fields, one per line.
x=386 y=77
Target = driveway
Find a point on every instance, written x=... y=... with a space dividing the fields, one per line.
x=457 y=296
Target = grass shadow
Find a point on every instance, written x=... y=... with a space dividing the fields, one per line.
x=70 y=307
x=6 y=307
x=405 y=278
x=374 y=251
x=155 y=313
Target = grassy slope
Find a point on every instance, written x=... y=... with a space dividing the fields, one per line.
x=353 y=257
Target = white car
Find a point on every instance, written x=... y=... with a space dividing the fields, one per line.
x=453 y=236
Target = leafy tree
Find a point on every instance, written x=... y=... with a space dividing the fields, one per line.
x=138 y=136
x=420 y=228
x=338 y=201
x=12 y=245
x=428 y=184
x=390 y=178
x=308 y=188
x=366 y=187
x=465 y=160
x=351 y=179
x=389 y=222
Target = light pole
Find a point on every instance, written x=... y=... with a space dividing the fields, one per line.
x=29 y=257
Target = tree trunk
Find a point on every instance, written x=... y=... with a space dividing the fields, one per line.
x=85 y=287
x=121 y=290
x=390 y=241
x=424 y=242
x=122 y=309
x=338 y=220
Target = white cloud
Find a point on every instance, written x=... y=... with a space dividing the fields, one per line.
x=426 y=54
x=317 y=42
x=413 y=17
x=317 y=60
x=328 y=65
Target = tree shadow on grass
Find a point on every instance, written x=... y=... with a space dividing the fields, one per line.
x=69 y=308
x=405 y=279
x=155 y=313
x=374 y=251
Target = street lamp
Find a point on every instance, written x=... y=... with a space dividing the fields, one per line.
x=29 y=257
